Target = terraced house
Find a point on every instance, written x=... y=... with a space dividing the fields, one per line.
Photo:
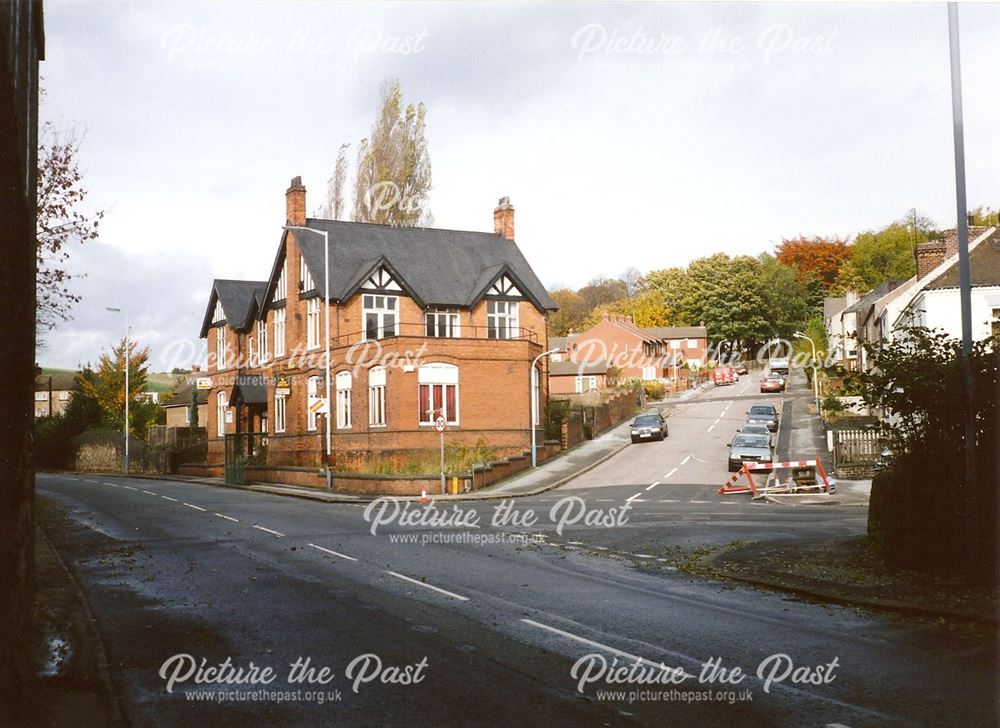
x=424 y=323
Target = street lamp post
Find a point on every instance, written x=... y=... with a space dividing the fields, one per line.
x=125 y=312
x=534 y=403
x=326 y=325
x=800 y=335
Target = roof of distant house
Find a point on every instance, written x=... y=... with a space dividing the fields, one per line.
x=558 y=342
x=984 y=266
x=832 y=306
x=573 y=368
x=436 y=267
x=61 y=382
x=677 y=332
x=872 y=296
x=182 y=397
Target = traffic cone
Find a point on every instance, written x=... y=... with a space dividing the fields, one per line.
x=423 y=497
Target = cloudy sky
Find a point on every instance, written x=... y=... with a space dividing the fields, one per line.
x=625 y=135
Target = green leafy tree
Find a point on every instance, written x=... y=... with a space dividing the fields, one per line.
x=393 y=178
x=784 y=294
x=83 y=411
x=984 y=216
x=726 y=294
x=887 y=254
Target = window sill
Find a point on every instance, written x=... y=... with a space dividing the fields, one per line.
x=377 y=427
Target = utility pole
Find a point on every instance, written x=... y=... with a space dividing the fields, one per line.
x=964 y=287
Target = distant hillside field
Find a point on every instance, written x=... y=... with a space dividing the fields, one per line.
x=155 y=381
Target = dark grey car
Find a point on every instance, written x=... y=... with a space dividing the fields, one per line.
x=764 y=413
x=648 y=427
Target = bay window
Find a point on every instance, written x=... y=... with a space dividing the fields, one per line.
x=380 y=315
x=442 y=322
x=502 y=320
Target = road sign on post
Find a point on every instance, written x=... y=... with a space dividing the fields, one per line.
x=439 y=425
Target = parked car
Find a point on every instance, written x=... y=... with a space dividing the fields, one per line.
x=764 y=413
x=723 y=375
x=756 y=428
x=772 y=383
x=649 y=427
x=748 y=448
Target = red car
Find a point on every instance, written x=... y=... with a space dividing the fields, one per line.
x=772 y=384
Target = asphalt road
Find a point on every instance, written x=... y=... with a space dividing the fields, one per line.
x=492 y=619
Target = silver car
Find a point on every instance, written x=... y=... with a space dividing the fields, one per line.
x=765 y=414
x=744 y=448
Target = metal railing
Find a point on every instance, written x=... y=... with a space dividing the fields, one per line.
x=429 y=331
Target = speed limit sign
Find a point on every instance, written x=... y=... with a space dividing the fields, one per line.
x=439 y=424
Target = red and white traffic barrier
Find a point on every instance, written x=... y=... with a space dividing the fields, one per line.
x=729 y=487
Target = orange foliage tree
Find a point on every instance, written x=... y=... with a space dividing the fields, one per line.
x=815 y=258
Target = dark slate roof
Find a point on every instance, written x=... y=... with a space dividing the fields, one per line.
x=984 y=266
x=677 y=332
x=182 y=397
x=436 y=267
x=60 y=382
x=237 y=298
x=249 y=389
x=872 y=296
x=574 y=368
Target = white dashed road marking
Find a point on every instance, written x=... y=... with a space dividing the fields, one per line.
x=113 y=485
x=130 y=487
x=148 y=492
x=267 y=530
x=197 y=508
x=167 y=497
x=629 y=500
x=685 y=460
x=447 y=593
x=653 y=485
x=670 y=473
x=228 y=518
x=332 y=552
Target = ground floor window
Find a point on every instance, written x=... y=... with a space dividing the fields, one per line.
x=313 y=392
x=220 y=414
x=376 y=396
x=585 y=384
x=279 y=414
x=438 y=393
x=343 y=400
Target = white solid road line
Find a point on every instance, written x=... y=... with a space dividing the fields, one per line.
x=685 y=460
x=228 y=518
x=268 y=530
x=653 y=485
x=332 y=552
x=670 y=473
x=167 y=497
x=598 y=645
x=197 y=508
x=447 y=593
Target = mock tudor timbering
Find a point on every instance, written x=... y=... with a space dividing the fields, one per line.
x=423 y=323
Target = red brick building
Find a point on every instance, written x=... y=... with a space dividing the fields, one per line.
x=423 y=323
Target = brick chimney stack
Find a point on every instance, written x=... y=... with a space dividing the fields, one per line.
x=295 y=202
x=503 y=218
x=930 y=256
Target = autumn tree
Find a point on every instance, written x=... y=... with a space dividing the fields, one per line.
x=600 y=291
x=814 y=258
x=62 y=221
x=573 y=311
x=393 y=178
x=670 y=284
x=107 y=386
x=645 y=310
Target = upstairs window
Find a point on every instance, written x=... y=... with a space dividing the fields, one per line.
x=218 y=315
x=442 y=323
x=279 y=332
x=281 y=287
x=220 y=348
x=262 y=341
x=380 y=315
x=501 y=320
x=312 y=323
x=438 y=385
x=305 y=277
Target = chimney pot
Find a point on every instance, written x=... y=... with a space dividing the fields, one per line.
x=503 y=218
x=295 y=202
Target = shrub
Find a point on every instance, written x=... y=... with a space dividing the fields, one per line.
x=654 y=390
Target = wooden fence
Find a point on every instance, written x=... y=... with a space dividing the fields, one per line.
x=855 y=452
